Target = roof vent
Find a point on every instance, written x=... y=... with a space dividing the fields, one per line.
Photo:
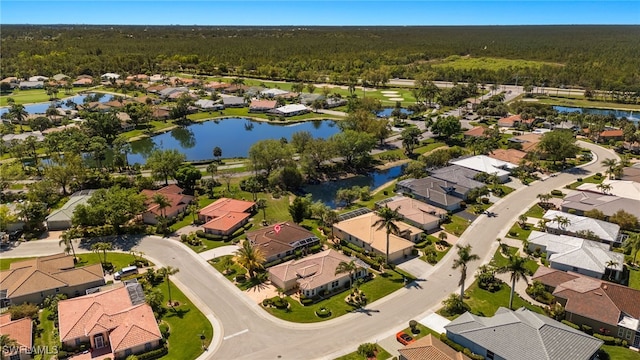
x=604 y=287
x=597 y=293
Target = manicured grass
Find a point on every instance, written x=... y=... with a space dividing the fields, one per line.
x=208 y=245
x=422 y=332
x=235 y=270
x=499 y=260
x=244 y=112
x=505 y=190
x=186 y=323
x=119 y=260
x=620 y=353
x=384 y=193
x=5 y=263
x=535 y=211
x=429 y=147
x=634 y=278
x=575 y=102
x=188 y=219
x=46 y=337
x=381 y=355
x=520 y=233
x=34 y=96
x=488 y=63
x=382 y=285
x=593 y=179
x=456 y=226
x=149 y=129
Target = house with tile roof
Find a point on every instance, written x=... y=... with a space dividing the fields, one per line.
x=178 y=203
x=82 y=82
x=521 y=335
x=417 y=213
x=582 y=256
x=623 y=188
x=34 y=279
x=510 y=121
x=581 y=201
x=282 y=239
x=114 y=322
x=360 y=231
x=20 y=330
x=316 y=273
x=430 y=348
x=483 y=163
x=257 y=105
x=512 y=156
x=608 y=308
x=475 y=132
x=224 y=216
x=605 y=231
x=529 y=142
x=61 y=219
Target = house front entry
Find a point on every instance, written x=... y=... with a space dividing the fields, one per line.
x=98 y=340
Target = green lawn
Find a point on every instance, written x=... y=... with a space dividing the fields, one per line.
x=634 y=278
x=593 y=179
x=384 y=193
x=235 y=270
x=505 y=190
x=381 y=355
x=244 y=113
x=186 y=323
x=5 y=263
x=34 y=96
x=439 y=254
x=45 y=335
x=382 y=285
x=422 y=332
x=563 y=101
x=620 y=353
x=520 y=233
x=535 y=211
x=428 y=147
x=488 y=63
x=188 y=220
x=456 y=226
x=119 y=260
x=499 y=260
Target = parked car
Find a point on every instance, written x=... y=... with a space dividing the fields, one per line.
x=404 y=338
x=129 y=270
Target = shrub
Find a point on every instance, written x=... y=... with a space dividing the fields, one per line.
x=608 y=340
x=154 y=354
x=323 y=312
x=413 y=325
x=570 y=324
x=268 y=302
x=367 y=350
x=579 y=180
x=241 y=278
x=556 y=192
x=587 y=329
x=164 y=330
x=280 y=303
x=23 y=311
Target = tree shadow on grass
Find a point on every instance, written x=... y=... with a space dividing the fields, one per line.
x=180 y=313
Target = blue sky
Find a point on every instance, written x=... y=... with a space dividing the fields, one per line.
x=303 y=12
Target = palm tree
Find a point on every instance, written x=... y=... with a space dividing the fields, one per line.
x=544 y=198
x=562 y=221
x=18 y=113
x=442 y=236
x=516 y=267
x=67 y=240
x=610 y=265
x=262 y=204
x=605 y=188
x=250 y=257
x=166 y=272
x=464 y=257
x=6 y=342
x=347 y=267
x=611 y=165
x=633 y=244
x=387 y=221
x=102 y=246
x=212 y=169
x=162 y=202
x=522 y=220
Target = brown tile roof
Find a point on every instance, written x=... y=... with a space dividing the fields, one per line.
x=416 y=211
x=46 y=273
x=20 y=330
x=430 y=348
x=509 y=155
x=174 y=195
x=225 y=214
x=263 y=104
x=362 y=228
x=311 y=271
x=612 y=133
x=510 y=120
x=595 y=299
x=108 y=311
x=273 y=243
x=83 y=81
x=477 y=131
x=551 y=277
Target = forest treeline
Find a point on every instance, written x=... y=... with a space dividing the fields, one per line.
x=598 y=57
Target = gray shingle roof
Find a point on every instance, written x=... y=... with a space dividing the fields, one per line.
x=524 y=335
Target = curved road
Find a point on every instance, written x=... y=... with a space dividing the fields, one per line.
x=244 y=331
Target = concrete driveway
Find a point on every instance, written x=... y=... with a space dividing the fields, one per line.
x=416 y=267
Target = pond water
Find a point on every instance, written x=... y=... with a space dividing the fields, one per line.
x=386 y=112
x=326 y=191
x=41 y=108
x=234 y=136
x=617 y=113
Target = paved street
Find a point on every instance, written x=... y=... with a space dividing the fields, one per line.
x=244 y=331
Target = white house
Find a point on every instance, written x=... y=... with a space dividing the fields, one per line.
x=109 y=76
x=271 y=93
x=623 y=188
x=208 y=105
x=578 y=255
x=605 y=231
x=487 y=165
x=291 y=110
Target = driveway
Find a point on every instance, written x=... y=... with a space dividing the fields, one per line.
x=218 y=252
x=416 y=267
x=242 y=330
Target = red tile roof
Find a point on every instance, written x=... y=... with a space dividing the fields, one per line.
x=612 y=133
x=225 y=214
x=20 y=330
x=509 y=155
x=273 y=243
x=510 y=120
x=430 y=348
x=263 y=104
x=108 y=311
x=477 y=131
x=174 y=195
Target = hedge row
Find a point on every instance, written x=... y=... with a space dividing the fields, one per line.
x=570 y=324
x=610 y=340
x=154 y=354
x=458 y=347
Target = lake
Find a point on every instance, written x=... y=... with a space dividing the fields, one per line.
x=326 y=191
x=617 y=113
x=41 y=108
x=233 y=135
x=386 y=112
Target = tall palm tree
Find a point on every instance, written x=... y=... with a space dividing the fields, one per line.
x=67 y=240
x=605 y=188
x=611 y=165
x=562 y=221
x=162 y=202
x=464 y=257
x=516 y=267
x=262 y=204
x=102 y=246
x=387 y=221
x=6 y=342
x=347 y=267
x=250 y=257
x=166 y=272
x=18 y=113
x=212 y=169
x=610 y=265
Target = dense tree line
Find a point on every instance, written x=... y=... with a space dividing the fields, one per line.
x=597 y=57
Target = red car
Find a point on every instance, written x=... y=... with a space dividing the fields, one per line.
x=404 y=339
